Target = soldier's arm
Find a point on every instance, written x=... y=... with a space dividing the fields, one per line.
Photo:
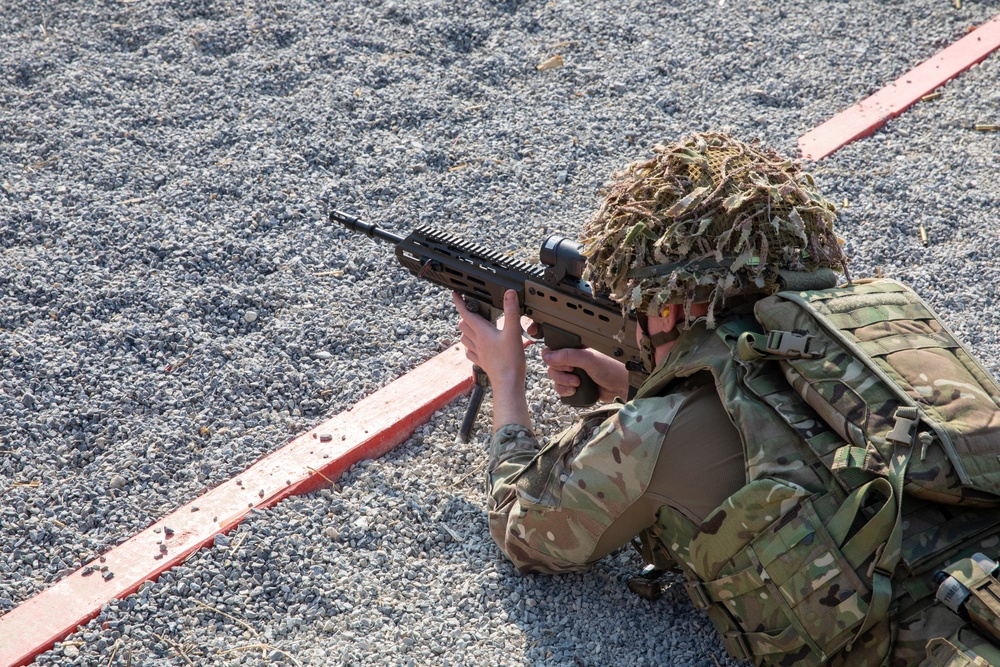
x=565 y=506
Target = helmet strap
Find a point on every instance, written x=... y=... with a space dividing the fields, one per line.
x=649 y=342
x=664 y=337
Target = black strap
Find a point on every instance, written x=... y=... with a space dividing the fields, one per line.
x=664 y=337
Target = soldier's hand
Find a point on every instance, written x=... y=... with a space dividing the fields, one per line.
x=499 y=352
x=610 y=374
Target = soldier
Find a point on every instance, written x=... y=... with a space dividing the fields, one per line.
x=690 y=239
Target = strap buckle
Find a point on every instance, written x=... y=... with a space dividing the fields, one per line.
x=792 y=344
x=737 y=646
x=904 y=430
x=699 y=596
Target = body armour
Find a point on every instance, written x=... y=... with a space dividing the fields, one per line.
x=790 y=568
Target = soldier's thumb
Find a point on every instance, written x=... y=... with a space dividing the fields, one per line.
x=511 y=312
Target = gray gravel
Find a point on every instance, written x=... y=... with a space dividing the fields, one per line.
x=173 y=303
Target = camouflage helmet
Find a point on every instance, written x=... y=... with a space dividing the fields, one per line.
x=706 y=219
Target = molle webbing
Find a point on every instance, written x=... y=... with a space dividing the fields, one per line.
x=802 y=563
x=886 y=354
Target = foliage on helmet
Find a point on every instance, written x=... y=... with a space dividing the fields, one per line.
x=706 y=219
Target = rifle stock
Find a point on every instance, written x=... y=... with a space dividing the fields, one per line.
x=552 y=294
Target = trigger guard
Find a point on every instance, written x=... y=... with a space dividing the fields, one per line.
x=533 y=339
x=528 y=336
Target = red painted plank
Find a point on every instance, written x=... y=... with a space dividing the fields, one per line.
x=868 y=115
x=368 y=430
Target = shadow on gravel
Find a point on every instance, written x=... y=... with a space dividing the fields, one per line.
x=591 y=618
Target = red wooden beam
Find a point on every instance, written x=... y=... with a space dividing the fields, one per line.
x=368 y=430
x=868 y=115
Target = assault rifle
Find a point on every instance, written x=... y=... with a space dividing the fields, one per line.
x=554 y=295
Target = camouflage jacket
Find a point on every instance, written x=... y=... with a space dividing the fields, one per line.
x=549 y=506
x=563 y=506
x=771 y=566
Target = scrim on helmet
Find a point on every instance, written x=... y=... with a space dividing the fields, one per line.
x=706 y=219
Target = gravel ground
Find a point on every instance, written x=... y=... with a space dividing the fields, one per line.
x=174 y=304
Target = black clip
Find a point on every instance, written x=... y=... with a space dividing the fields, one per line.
x=647 y=584
x=794 y=344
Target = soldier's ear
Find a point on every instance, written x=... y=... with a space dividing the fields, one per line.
x=671 y=315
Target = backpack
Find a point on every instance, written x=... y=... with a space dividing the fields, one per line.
x=828 y=556
x=888 y=376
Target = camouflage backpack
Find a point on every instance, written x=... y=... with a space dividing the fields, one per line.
x=882 y=369
x=871 y=440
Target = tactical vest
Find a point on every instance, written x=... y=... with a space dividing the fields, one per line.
x=794 y=568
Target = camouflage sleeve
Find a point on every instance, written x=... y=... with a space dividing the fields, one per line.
x=549 y=506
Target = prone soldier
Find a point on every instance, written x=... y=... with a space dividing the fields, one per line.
x=796 y=538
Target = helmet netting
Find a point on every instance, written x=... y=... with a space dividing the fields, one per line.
x=729 y=215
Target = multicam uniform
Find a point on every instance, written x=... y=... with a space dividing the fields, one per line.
x=592 y=490
x=763 y=565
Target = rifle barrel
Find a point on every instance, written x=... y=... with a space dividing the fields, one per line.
x=367 y=228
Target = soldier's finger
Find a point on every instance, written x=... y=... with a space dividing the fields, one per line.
x=511 y=314
x=463 y=310
x=565 y=359
x=564 y=390
x=563 y=378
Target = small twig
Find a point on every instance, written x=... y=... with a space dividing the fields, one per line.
x=229 y=616
x=173 y=367
x=114 y=651
x=313 y=470
x=263 y=647
x=238 y=542
x=455 y=536
x=174 y=645
x=478 y=469
x=35 y=166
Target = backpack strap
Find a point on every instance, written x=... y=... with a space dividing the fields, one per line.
x=887 y=525
x=778 y=345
